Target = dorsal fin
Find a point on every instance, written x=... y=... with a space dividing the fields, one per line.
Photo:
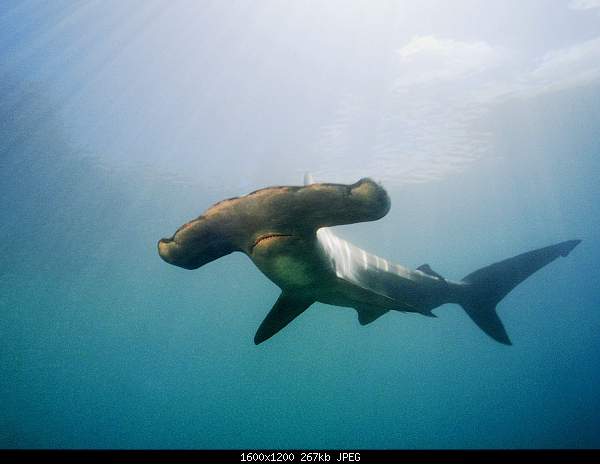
x=287 y=308
x=367 y=315
x=308 y=178
x=426 y=269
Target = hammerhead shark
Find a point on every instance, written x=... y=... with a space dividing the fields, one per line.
x=285 y=232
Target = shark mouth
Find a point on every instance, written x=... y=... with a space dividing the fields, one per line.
x=267 y=237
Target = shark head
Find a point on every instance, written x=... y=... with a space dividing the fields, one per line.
x=195 y=244
x=270 y=216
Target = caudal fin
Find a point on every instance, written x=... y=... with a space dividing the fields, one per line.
x=487 y=286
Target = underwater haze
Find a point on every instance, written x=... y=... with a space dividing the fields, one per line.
x=120 y=121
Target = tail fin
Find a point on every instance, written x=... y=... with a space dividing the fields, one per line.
x=488 y=285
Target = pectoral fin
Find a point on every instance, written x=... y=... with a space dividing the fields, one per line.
x=286 y=309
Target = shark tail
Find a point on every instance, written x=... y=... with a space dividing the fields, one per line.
x=485 y=287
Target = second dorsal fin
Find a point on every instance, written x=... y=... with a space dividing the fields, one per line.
x=426 y=269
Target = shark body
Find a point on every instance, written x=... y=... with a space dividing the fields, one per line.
x=285 y=232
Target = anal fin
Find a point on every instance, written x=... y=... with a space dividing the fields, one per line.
x=368 y=315
x=287 y=308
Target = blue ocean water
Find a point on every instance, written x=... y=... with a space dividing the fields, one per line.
x=120 y=121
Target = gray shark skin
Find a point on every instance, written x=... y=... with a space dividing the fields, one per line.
x=284 y=231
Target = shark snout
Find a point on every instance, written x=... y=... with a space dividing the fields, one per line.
x=191 y=252
x=165 y=249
